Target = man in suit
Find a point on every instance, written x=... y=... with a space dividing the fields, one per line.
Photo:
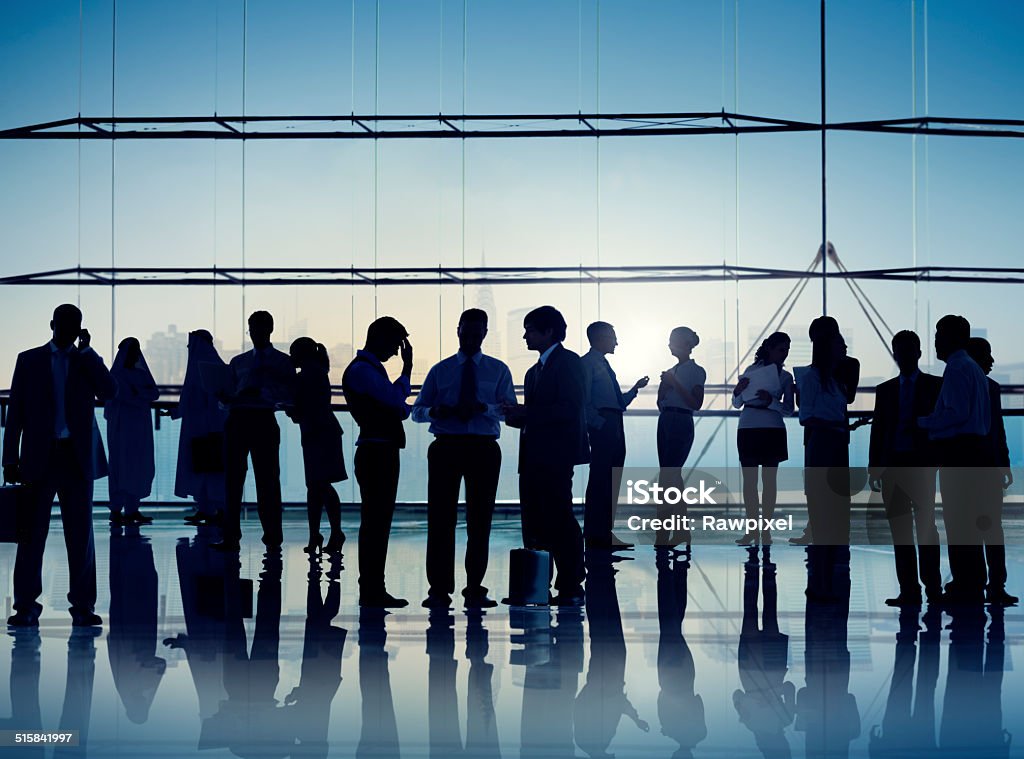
x=554 y=439
x=378 y=406
x=53 y=445
x=959 y=427
x=902 y=465
x=461 y=398
x=263 y=379
x=606 y=404
x=999 y=478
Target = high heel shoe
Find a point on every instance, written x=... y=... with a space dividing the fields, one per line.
x=748 y=539
x=335 y=543
x=316 y=545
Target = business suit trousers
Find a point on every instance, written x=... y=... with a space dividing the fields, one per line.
x=545 y=490
x=908 y=492
x=607 y=453
x=377 y=470
x=253 y=432
x=963 y=483
x=64 y=479
x=452 y=459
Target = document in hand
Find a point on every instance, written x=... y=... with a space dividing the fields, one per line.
x=762 y=378
x=216 y=378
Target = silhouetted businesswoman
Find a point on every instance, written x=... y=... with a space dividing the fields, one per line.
x=263 y=379
x=52 y=444
x=959 y=428
x=998 y=477
x=902 y=464
x=553 y=441
x=605 y=405
x=462 y=398
x=378 y=406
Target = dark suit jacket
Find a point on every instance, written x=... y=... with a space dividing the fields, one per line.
x=997 y=432
x=886 y=418
x=30 y=419
x=555 y=430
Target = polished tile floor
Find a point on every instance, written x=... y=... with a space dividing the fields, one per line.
x=719 y=655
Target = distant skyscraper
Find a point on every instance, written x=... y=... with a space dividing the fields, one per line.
x=167 y=355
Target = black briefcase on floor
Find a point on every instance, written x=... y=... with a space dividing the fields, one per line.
x=13 y=512
x=529 y=577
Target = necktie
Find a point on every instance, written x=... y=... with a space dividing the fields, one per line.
x=467 y=390
x=615 y=385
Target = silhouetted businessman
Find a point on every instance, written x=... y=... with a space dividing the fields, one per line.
x=481 y=721
x=606 y=404
x=263 y=379
x=998 y=478
x=462 y=398
x=902 y=465
x=378 y=406
x=553 y=441
x=959 y=428
x=52 y=444
x=23 y=690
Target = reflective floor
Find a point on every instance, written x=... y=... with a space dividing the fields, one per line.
x=720 y=655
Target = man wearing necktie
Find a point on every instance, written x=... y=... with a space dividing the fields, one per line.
x=553 y=441
x=605 y=405
x=902 y=465
x=52 y=444
x=461 y=399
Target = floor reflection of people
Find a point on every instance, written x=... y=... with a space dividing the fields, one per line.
x=908 y=726
x=77 y=709
x=481 y=723
x=249 y=721
x=972 y=712
x=379 y=733
x=767 y=702
x=826 y=710
x=131 y=644
x=680 y=710
x=309 y=703
x=602 y=701
x=444 y=734
x=24 y=692
x=549 y=691
x=198 y=569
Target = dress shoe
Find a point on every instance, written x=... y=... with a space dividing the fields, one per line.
x=226 y=546
x=801 y=540
x=137 y=518
x=904 y=599
x=20 y=619
x=568 y=598
x=441 y=601
x=85 y=619
x=478 y=600
x=750 y=538
x=382 y=601
x=999 y=597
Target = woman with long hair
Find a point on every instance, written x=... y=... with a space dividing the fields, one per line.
x=130 y=434
x=322 y=453
x=761 y=433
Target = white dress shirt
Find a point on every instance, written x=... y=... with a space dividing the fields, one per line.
x=441 y=388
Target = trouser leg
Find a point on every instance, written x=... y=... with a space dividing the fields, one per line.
x=481 y=491
x=445 y=467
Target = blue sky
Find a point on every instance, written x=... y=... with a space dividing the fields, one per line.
x=753 y=200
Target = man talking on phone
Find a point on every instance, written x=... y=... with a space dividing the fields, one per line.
x=379 y=407
x=53 y=446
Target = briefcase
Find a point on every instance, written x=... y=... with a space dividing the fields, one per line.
x=14 y=512
x=529 y=577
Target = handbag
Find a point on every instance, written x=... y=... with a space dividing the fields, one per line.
x=14 y=512
x=529 y=577
x=208 y=453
